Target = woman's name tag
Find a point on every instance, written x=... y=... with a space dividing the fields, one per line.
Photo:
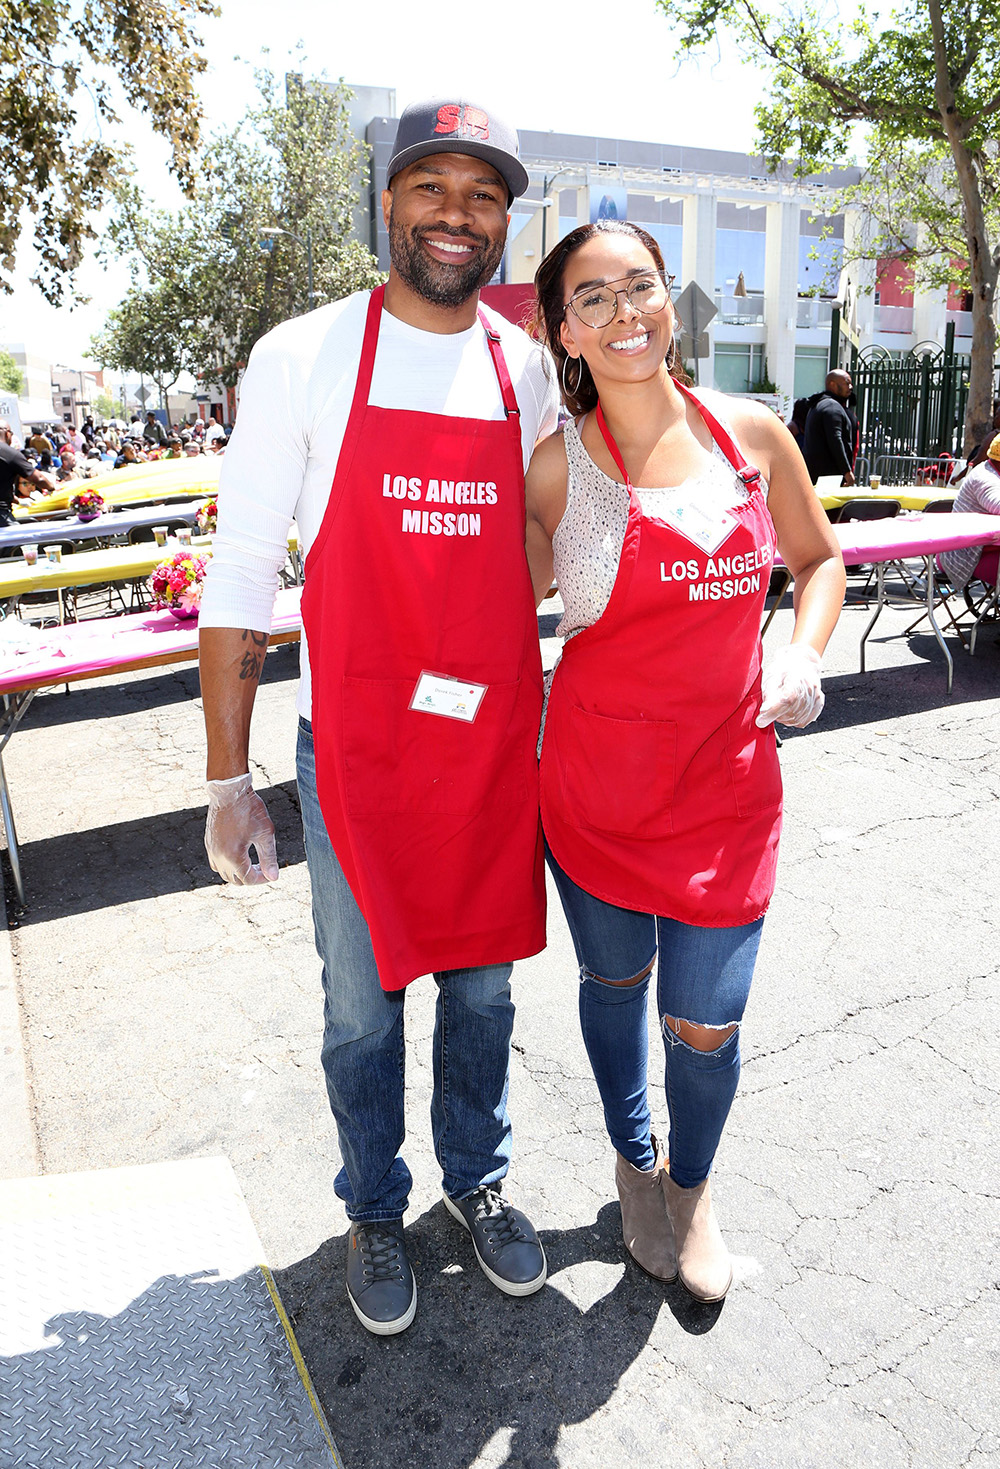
x=706 y=526
x=437 y=693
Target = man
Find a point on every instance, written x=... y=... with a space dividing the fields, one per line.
x=154 y=433
x=14 y=468
x=829 y=441
x=67 y=467
x=127 y=456
x=41 y=443
x=396 y=428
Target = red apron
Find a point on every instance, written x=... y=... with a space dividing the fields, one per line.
x=659 y=793
x=419 y=566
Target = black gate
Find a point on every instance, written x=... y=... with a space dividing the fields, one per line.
x=910 y=409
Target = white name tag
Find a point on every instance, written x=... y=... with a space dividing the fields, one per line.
x=706 y=526
x=436 y=693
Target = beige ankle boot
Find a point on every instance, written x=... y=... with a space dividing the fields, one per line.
x=703 y=1261
x=646 y=1229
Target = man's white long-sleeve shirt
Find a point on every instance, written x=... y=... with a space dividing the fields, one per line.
x=295 y=401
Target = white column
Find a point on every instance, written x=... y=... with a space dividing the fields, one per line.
x=781 y=290
x=698 y=263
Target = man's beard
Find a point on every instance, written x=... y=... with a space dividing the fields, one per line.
x=440 y=284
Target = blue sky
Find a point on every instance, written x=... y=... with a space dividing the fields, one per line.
x=585 y=67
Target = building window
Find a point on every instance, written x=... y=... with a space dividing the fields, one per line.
x=738 y=369
x=810 y=370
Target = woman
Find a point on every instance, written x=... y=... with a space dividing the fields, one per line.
x=661 y=794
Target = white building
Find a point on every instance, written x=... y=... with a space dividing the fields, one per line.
x=717 y=216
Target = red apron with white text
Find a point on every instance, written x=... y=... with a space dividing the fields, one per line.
x=659 y=793
x=419 y=567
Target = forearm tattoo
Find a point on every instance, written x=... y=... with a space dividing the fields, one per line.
x=253 y=659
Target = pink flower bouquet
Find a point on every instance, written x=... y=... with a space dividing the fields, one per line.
x=177 y=582
x=208 y=517
x=88 y=504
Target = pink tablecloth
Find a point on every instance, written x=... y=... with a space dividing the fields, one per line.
x=113 y=644
x=917 y=535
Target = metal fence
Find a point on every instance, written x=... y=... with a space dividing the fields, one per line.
x=910 y=409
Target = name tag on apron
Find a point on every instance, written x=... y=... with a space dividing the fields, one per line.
x=706 y=526
x=436 y=693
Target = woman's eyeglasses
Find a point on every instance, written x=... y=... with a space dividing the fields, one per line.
x=598 y=305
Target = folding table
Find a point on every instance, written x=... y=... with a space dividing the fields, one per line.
x=101 y=646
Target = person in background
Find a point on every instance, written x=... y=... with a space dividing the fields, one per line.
x=660 y=510
x=111 y=439
x=129 y=455
x=15 y=472
x=153 y=431
x=41 y=443
x=979 y=492
x=68 y=469
x=829 y=439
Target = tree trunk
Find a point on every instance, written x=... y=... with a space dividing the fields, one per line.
x=982 y=263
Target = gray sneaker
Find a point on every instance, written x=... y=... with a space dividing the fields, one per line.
x=380 y=1283
x=506 y=1245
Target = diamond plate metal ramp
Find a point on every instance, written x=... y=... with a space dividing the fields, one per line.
x=139 y=1330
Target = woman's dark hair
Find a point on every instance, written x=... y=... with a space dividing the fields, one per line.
x=550 y=310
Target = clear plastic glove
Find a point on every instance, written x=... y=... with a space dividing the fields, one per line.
x=791 y=692
x=238 y=817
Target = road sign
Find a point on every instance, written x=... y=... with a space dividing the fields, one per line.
x=695 y=310
x=694 y=348
x=143 y=394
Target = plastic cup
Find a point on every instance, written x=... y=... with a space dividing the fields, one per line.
x=160 y=534
x=54 y=553
x=184 y=535
x=30 y=554
x=875 y=481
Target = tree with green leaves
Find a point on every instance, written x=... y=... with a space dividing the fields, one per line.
x=11 y=376
x=149 y=334
x=61 y=65
x=924 y=83
x=281 y=187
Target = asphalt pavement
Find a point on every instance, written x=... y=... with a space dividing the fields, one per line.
x=164 y=1016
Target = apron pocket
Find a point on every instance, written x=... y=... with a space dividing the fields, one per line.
x=618 y=774
x=397 y=759
x=753 y=759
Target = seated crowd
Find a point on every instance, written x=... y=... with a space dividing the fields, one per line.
x=55 y=455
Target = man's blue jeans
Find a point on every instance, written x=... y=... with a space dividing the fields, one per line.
x=363 y=1051
x=703 y=976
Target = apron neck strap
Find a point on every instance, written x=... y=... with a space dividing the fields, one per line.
x=613 y=448
x=368 y=346
x=500 y=368
x=747 y=473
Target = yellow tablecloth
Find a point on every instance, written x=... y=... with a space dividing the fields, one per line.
x=164 y=479
x=82 y=568
x=910 y=497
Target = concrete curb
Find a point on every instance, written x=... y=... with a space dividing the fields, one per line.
x=18 y=1146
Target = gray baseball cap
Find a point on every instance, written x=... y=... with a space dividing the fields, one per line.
x=447 y=125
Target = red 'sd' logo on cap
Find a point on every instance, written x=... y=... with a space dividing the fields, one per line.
x=463 y=122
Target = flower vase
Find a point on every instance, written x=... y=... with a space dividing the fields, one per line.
x=87 y=515
x=184 y=614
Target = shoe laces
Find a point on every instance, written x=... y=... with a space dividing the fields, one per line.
x=492 y=1206
x=382 y=1253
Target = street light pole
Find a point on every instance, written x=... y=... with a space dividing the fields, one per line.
x=307 y=246
x=547 y=183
